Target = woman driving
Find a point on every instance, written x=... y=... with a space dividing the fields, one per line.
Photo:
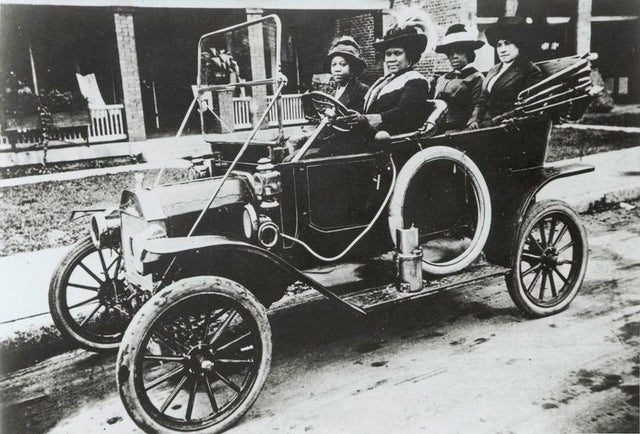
x=346 y=63
x=513 y=74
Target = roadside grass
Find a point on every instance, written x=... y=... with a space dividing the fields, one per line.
x=36 y=216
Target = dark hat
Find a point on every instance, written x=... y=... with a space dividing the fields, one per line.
x=347 y=47
x=410 y=34
x=515 y=29
x=458 y=36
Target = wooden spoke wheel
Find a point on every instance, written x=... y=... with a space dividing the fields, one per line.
x=550 y=259
x=87 y=295
x=195 y=357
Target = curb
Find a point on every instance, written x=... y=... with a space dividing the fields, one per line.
x=29 y=341
x=630 y=130
x=595 y=202
x=598 y=200
x=85 y=173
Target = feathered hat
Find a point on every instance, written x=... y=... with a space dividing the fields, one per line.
x=347 y=47
x=413 y=30
x=458 y=36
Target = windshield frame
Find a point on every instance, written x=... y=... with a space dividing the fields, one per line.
x=231 y=86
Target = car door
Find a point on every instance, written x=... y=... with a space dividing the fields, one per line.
x=338 y=197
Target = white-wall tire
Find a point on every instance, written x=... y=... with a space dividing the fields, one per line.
x=398 y=204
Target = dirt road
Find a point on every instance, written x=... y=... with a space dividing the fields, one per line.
x=463 y=361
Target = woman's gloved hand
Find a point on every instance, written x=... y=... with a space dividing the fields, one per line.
x=355 y=119
x=473 y=125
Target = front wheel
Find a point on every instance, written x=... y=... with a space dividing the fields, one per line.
x=87 y=296
x=549 y=260
x=195 y=357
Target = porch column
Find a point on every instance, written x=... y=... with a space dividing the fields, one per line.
x=583 y=27
x=126 y=40
x=258 y=66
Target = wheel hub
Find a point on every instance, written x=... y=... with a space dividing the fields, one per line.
x=550 y=258
x=199 y=360
x=108 y=290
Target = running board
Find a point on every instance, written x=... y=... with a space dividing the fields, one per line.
x=373 y=299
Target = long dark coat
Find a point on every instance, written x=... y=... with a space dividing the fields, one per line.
x=520 y=75
x=401 y=100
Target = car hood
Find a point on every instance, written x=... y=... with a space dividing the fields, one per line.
x=176 y=201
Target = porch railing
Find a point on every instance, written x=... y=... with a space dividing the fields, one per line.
x=292 y=112
x=106 y=124
x=242 y=112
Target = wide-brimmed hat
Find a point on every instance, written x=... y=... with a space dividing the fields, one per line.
x=514 y=29
x=458 y=36
x=410 y=33
x=347 y=47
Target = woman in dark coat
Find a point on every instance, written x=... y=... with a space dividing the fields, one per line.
x=346 y=63
x=460 y=88
x=513 y=74
x=396 y=103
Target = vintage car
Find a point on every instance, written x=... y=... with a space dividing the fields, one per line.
x=180 y=275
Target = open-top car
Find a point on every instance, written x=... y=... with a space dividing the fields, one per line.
x=183 y=273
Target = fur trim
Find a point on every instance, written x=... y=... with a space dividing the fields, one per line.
x=398 y=82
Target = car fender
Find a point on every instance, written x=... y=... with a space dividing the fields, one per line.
x=517 y=200
x=263 y=273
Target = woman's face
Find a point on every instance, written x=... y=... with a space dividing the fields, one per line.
x=340 y=69
x=457 y=58
x=507 y=50
x=396 y=59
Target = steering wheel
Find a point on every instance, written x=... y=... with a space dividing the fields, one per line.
x=320 y=105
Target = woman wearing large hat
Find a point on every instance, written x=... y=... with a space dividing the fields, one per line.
x=512 y=74
x=396 y=102
x=460 y=88
x=346 y=63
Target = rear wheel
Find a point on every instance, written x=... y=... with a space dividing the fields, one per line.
x=87 y=295
x=195 y=357
x=549 y=260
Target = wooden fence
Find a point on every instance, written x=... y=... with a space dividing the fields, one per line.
x=292 y=112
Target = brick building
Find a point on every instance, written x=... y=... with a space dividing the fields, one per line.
x=610 y=28
x=143 y=53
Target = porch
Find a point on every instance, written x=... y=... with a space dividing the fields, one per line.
x=105 y=125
